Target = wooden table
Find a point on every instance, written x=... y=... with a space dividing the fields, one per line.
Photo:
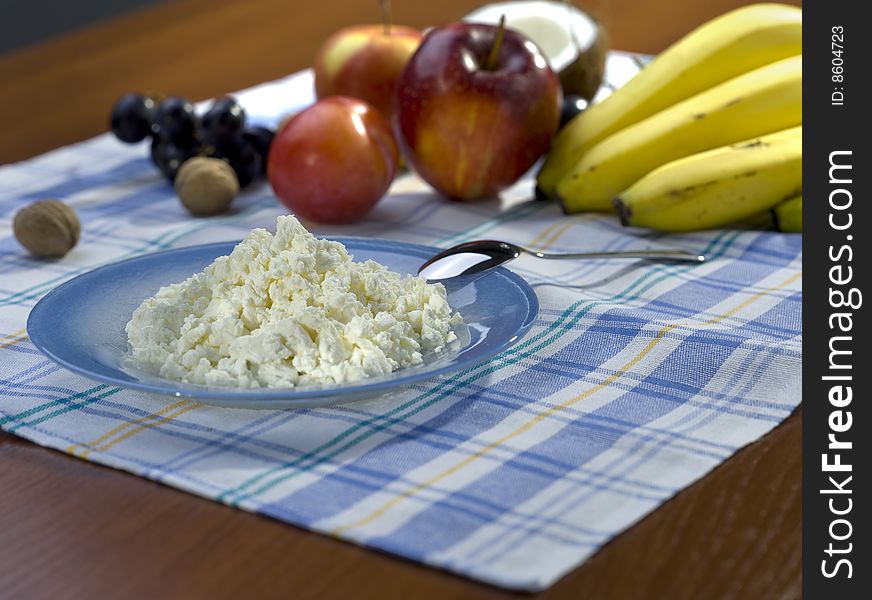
x=71 y=529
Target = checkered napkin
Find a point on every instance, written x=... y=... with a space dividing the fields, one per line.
x=636 y=379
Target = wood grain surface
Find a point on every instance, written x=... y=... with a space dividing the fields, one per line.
x=71 y=529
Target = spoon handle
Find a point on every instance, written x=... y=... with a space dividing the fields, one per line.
x=681 y=255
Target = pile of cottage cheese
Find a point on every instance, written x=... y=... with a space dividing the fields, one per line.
x=289 y=309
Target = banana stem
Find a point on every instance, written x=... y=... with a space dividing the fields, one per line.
x=385 y=6
x=491 y=62
x=624 y=211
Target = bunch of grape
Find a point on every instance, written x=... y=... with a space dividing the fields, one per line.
x=178 y=134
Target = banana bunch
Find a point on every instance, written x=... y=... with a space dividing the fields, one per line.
x=678 y=143
x=720 y=186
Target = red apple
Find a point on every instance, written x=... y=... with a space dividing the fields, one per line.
x=364 y=62
x=471 y=124
x=332 y=162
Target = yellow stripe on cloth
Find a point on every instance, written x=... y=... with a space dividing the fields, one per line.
x=752 y=299
x=541 y=416
x=553 y=239
x=542 y=234
x=140 y=424
x=551 y=235
x=11 y=340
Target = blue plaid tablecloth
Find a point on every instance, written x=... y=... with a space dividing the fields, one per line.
x=636 y=380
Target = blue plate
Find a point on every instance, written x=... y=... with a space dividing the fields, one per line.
x=80 y=324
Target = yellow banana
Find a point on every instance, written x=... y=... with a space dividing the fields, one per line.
x=788 y=215
x=762 y=101
x=717 y=187
x=764 y=220
x=734 y=43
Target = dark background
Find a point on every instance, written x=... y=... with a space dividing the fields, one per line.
x=27 y=22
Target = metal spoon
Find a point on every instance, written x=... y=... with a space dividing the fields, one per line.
x=480 y=255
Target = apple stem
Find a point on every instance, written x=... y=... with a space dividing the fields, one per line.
x=491 y=62
x=386 y=14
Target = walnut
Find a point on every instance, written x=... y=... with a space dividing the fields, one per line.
x=206 y=186
x=47 y=228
